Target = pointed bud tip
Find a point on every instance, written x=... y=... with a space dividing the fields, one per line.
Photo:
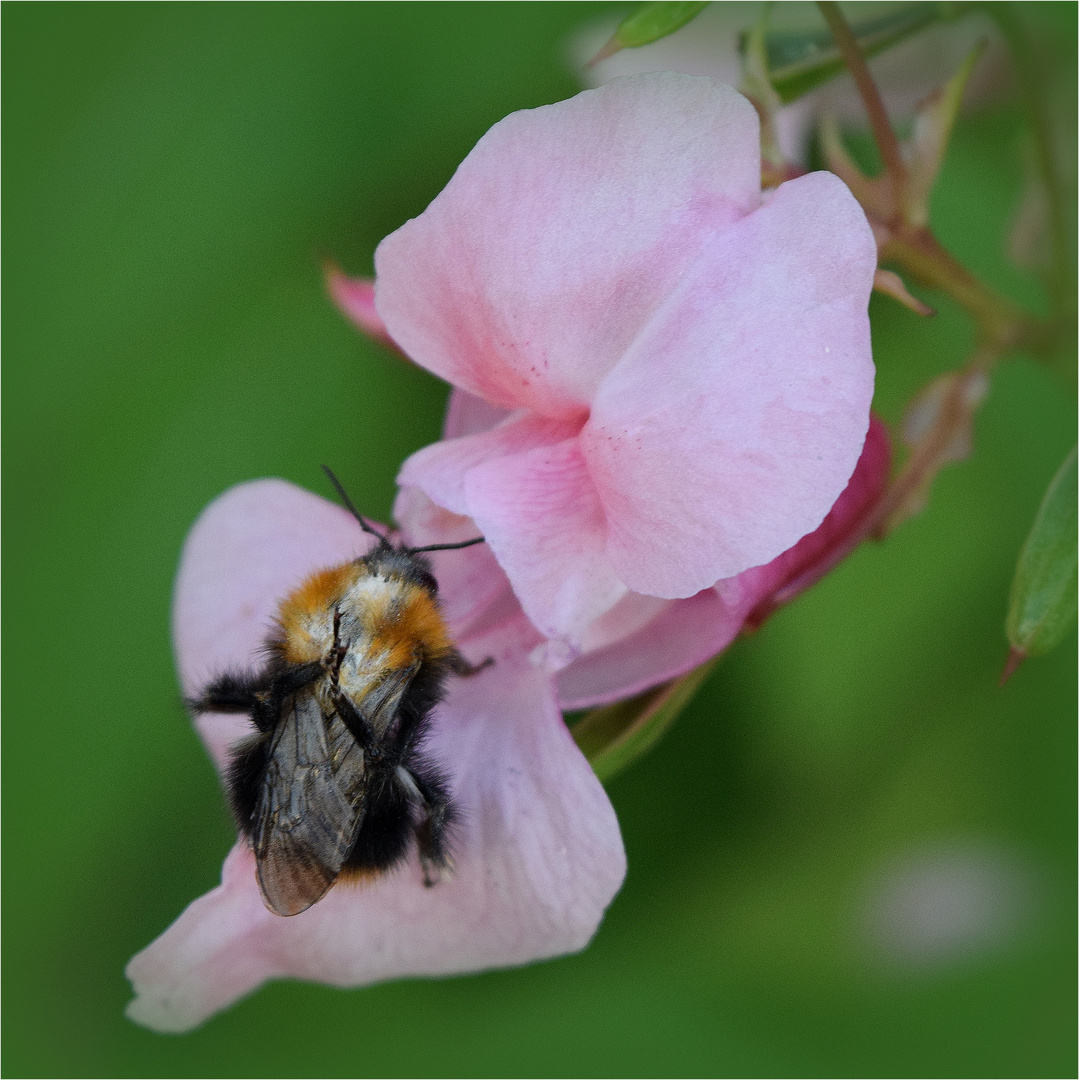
x=1015 y=658
x=613 y=46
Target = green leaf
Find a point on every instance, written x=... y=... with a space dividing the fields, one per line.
x=614 y=735
x=1043 y=604
x=649 y=23
x=800 y=61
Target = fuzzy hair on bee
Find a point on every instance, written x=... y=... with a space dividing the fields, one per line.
x=334 y=783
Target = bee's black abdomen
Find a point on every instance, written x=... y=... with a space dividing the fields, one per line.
x=386 y=832
x=245 y=776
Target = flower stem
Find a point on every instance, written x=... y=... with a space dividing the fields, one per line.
x=1002 y=325
x=867 y=88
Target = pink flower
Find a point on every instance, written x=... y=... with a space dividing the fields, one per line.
x=643 y=640
x=666 y=388
x=539 y=855
x=685 y=365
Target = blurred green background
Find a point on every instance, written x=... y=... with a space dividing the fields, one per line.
x=854 y=854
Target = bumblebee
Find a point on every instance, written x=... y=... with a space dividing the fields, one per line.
x=334 y=782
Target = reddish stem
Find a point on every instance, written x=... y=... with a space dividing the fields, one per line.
x=867 y=88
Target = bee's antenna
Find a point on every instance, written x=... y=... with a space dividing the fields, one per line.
x=364 y=523
x=445 y=547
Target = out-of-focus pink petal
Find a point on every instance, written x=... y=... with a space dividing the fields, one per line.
x=526 y=279
x=245 y=552
x=467 y=414
x=356 y=299
x=441 y=468
x=814 y=555
x=538 y=858
x=542 y=519
x=632 y=612
x=736 y=418
x=682 y=636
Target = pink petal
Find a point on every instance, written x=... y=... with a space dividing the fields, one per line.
x=474 y=591
x=209 y=957
x=688 y=632
x=814 y=555
x=527 y=278
x=245 y=552
x=736 y=418
x=541 y=517
x=539 y=857
x=467 y=414
x=440 y=469
x=681 y=637
x=356 y=299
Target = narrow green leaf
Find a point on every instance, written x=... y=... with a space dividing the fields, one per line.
x=649 y=23
x=800 y=61
x=1043 y=601
x=613 y=736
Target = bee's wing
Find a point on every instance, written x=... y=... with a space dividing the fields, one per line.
x=310 y=809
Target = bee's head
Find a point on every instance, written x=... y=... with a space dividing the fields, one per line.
x=419 y=568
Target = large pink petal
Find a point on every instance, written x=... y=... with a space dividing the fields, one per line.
x=538 y=858
x=562 y=231
x=738 y=415
x=539 y=512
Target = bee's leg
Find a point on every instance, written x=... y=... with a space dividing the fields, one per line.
x=461 y=667
x=359 y=726
x=232 y=693
x=432 y=832
x=286 y=681
x=332 y=663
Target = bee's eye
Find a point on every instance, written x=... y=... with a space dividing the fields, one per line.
x=429 y=583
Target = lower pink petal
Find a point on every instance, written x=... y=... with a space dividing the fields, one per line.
x=211 y=956
x=682 y=636
x=538 y=858
x=473 y=588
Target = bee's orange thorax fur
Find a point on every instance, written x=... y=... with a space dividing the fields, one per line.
x=416 y=625
x=400 y=620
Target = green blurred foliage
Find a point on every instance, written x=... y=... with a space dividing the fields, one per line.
x=175 y=174
x=1042 y=606
x=650 y=22
x=801 y=60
